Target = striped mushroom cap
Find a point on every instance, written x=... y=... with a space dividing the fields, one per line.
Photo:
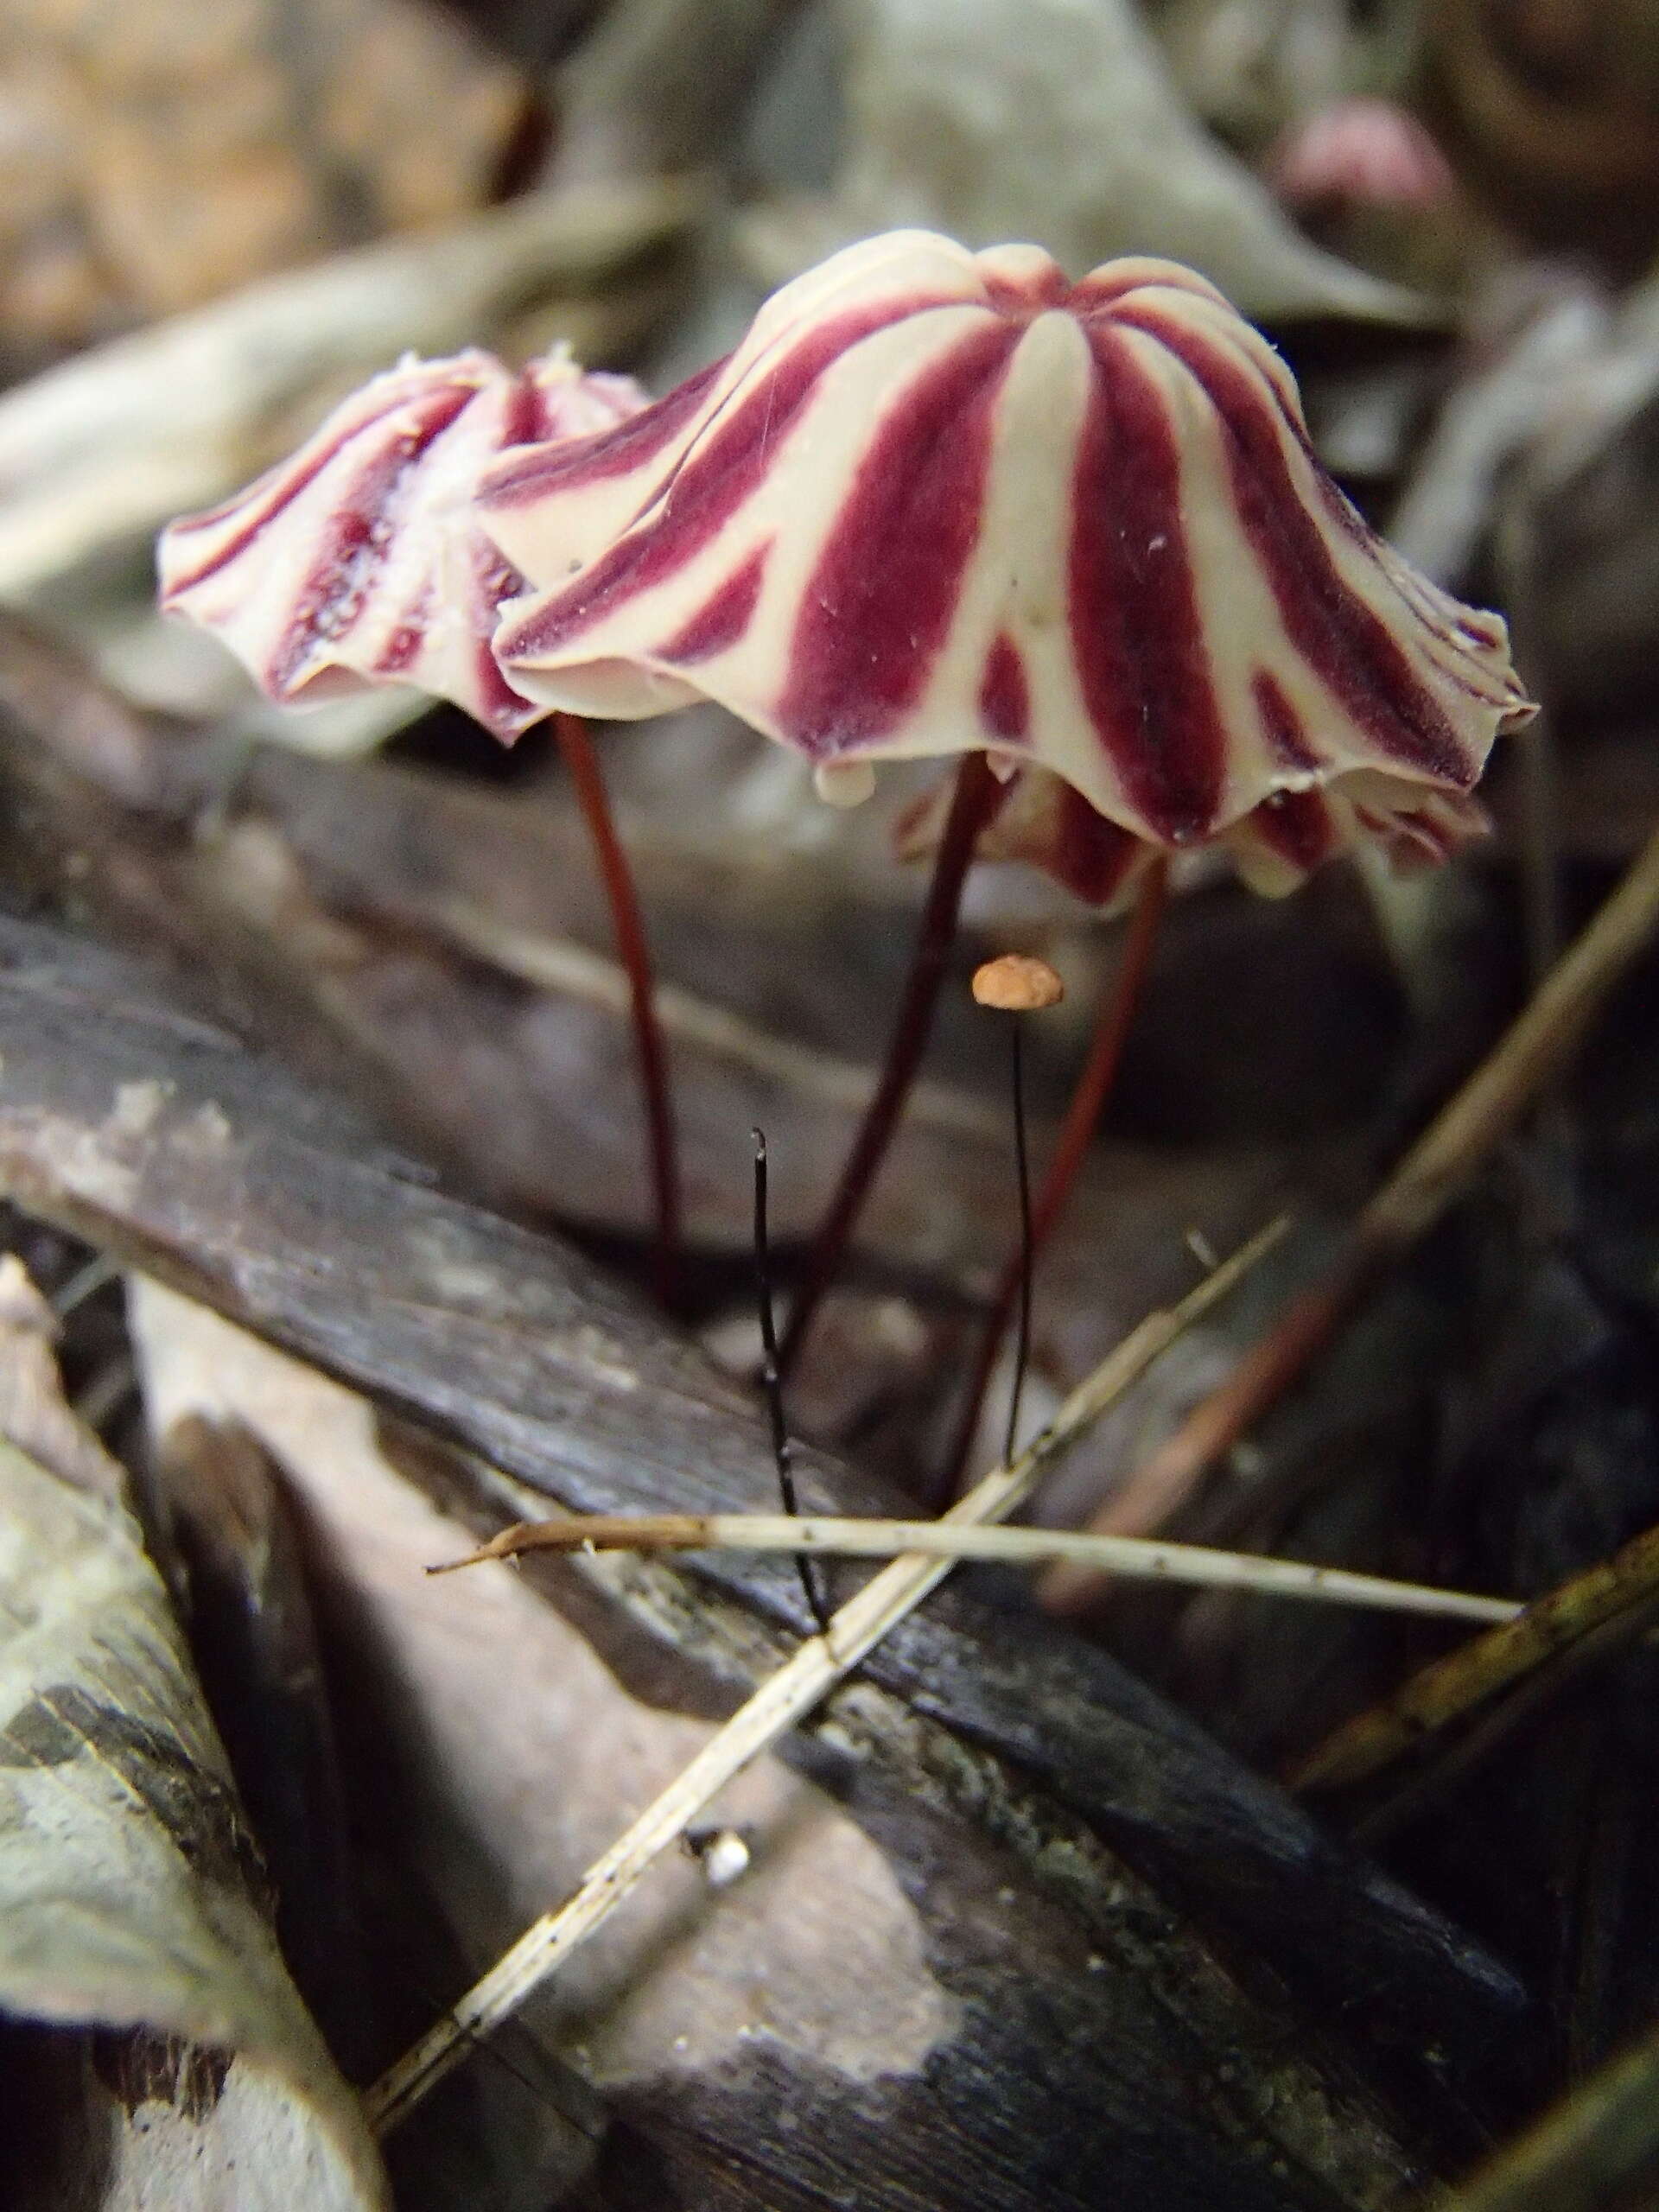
x=359 y=560
x=1040 y=818
x=939 y=500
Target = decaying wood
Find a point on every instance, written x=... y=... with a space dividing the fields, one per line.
x=157 y=1136
x=134 y=1908
x=783 y=1699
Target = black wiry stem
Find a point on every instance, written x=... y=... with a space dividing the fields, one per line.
x=1070 y=1147
x=782 y=1449
x=1022 y=1168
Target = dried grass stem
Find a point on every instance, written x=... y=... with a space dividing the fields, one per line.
x=783 y=1700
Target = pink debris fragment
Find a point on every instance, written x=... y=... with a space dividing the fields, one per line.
x=1361 y=152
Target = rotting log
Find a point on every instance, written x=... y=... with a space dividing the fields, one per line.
x=1084 y=1857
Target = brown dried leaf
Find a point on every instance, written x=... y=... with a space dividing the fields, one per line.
x=104 y=448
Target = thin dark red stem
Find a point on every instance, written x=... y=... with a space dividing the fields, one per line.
x=971 y=805
x=582 y=762
x=1077 y=1132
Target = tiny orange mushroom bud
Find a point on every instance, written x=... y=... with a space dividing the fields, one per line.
x=1017 y=983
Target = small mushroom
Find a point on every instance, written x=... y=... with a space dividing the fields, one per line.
x=1017 y=983
x=360 y=561
x=941 y=502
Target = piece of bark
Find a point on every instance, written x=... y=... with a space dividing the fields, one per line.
x=154 y=1136
x=251 y=1634
x=135 y=1919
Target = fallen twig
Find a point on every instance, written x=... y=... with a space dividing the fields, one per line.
x=1533 y=1049
x=1587 y=2154
x=1141 y=1558
x=1454 y=1686
x=781 y=1702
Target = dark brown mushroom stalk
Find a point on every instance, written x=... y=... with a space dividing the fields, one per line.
x=973 y=796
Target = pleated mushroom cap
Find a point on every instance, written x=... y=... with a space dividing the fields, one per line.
x=939 y=500
x=359 y=560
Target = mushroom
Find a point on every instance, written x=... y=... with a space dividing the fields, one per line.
x=941 y=502
x=359 y=560
x=1015 y=984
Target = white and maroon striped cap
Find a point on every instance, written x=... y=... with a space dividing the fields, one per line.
x=359 y=560
x=939 y=500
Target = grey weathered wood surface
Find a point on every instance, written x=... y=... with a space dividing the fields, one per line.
x=1040 y=1806
x=1159 y=2078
